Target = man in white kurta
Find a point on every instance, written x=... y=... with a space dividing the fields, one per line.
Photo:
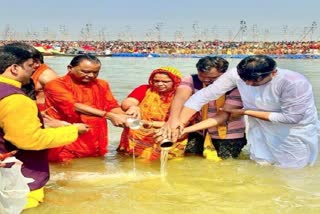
x=282 y=113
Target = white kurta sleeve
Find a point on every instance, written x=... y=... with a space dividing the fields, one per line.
x=296 y=101
x=223 y=84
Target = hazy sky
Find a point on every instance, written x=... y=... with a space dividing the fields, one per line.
x=139 y=19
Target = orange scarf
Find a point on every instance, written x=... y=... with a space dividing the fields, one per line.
x=152 y=108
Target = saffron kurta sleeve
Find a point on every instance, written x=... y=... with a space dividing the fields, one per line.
x=61 y=95
x=111 y=101
x=222 y=85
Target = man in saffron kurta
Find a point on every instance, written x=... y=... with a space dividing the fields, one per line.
x=80 y=97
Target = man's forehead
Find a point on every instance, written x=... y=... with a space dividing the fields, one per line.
x=212 y=72
x=30 y=61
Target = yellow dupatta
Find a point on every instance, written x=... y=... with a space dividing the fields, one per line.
x=155 y=107
x=209 y=151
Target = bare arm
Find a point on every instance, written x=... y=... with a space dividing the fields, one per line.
x=186 y=114
x=128 y=102
x=85 y=109
x=170 y=128
x=116 y=115
x=181 y=96
x=222 y=85
x=152 y=124
x=218 y=119
x=130 y=106
x=47 y=76
x=263 y=115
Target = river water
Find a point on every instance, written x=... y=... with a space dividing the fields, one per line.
x=193 y=184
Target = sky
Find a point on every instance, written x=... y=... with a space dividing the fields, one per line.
x=161 y=20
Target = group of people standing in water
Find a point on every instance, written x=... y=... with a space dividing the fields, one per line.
x=201 y=113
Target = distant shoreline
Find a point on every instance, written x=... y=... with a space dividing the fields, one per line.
x=232 y=56
x=191 y=49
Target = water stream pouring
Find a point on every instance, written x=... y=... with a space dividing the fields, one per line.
x=165 y=146
x=134 y=123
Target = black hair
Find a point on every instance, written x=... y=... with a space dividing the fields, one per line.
x=205 y=64
x=10 y=55
x=37 y=55
x=255 y=67
x=79 y=58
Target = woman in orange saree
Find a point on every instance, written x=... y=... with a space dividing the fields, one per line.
x=151 y=103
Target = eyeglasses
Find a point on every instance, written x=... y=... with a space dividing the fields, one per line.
x=162 y=81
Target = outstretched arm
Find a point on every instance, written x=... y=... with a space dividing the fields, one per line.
x=131 y=104
x=131 y=108
x=115 y=115
x=181 y=96
x=263 y=115
x=218 y=119
x=85 y=109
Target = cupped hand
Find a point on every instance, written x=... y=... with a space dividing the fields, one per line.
x=134 y=111
x=119 y=120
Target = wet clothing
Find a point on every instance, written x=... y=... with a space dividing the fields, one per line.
x=225 y=148
x=229 y=147
x=290 y=138
x=61 y=95
x=22 y=130
x=153 y=107
x=34 y=198
x=235 y=127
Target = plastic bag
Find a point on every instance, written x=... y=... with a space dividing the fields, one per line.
x=13 y=187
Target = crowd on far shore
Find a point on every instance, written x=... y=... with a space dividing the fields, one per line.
x=183 y=47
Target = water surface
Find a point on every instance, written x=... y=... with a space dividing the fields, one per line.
x=193 y=184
